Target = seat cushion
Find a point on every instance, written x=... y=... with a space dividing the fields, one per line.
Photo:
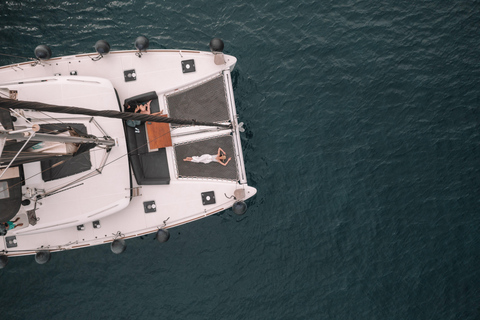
x=149 y=168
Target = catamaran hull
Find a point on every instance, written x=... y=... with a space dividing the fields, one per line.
x=139 y=186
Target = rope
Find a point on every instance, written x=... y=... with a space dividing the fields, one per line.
x=11 y=55
x=101 y=168
x=18 y=153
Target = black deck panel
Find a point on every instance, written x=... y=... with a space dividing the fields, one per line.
x=53 y=169
x=210 y=170
x=149 y=168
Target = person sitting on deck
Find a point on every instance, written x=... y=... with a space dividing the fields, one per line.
x=207 y=158
x=11 y=224
x=141 y=108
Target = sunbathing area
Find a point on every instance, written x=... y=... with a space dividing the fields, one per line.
x=212 y=170
x=205 y=102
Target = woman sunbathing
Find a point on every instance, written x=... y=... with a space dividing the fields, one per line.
x=207 y=158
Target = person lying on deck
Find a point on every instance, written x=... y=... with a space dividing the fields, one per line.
x=207 y=158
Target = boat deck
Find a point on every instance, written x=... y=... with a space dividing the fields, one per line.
x=203 y=93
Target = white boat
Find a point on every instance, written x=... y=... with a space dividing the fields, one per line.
x=101 y=173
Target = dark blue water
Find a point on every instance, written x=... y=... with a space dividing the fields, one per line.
x=362 y=139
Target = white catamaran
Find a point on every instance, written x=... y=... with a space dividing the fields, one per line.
x=101 y=147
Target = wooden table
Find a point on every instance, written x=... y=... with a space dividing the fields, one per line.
x=158 y=134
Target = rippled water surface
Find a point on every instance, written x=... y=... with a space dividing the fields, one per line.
x=363 y=141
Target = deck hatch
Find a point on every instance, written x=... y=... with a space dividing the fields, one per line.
x=11 y=241
x=130 y=75
x=149 y=206
x=188 y=66
x=208 y=197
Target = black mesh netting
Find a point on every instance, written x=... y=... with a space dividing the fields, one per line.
x=206 y=102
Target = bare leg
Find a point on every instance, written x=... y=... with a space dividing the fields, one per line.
x=16 y=219
x=145 y=108
x=188 y=159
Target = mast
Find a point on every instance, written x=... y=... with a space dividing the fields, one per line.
x=37 y=106
x=32 y=136
x=16 y=145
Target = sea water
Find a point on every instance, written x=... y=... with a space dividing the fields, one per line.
x=362 y=138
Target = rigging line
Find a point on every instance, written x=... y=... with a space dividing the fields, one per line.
x=61 y=190
x=45 y=121
x=21 y=116
x=53 y=166
x=99 y=127
x=11 y=55
x=44 y=129
x=101 y=168
x=35 y=154
x=26 y=161
x=38 y=119
x=128 y=153
x=66 y=160
x=36 y=174
x=37 y=106
x=50 y=117
x=19 y=151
